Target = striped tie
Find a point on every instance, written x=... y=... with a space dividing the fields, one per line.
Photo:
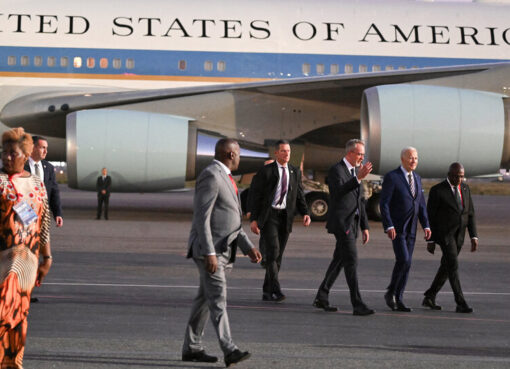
x=411 y=185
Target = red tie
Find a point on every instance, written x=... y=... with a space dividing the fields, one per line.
x=233 y=183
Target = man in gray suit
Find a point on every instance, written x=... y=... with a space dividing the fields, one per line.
x=216 y=232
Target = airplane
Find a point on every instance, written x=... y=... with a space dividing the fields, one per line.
x=146 y=88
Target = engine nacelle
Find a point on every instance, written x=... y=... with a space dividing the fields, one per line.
x=144 y=152
x=444 y=124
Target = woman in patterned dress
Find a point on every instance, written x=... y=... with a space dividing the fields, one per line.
x=24 y=235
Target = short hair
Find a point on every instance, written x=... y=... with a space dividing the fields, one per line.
x=281 y=142
x=351 y=144
x=36 y=139
x=19 y=136
x=223 y=147
x=455 y=166
x=406 y=149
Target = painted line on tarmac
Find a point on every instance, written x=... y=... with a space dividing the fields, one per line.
x=246 y=288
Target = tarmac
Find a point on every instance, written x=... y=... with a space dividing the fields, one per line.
x=120 y=291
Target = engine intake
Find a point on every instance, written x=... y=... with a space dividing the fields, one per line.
x=444 y=124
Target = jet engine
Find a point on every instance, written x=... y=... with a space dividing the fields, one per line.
x=444 y=124
x=143 y=152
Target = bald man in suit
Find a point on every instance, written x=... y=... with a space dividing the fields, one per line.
x=216 y=232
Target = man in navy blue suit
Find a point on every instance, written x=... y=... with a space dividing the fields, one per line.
x=36 y=164
x=402 y=205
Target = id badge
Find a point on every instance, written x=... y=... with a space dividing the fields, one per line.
x=25 y=213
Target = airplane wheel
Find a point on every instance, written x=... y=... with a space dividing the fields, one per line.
x=318 y=205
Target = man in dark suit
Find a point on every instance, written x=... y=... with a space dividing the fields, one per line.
x=345 y=216
x=277 y=192
x=36 y=164
x=402 y=205
x=103 y=184
x=450 y=211
x=216 y=232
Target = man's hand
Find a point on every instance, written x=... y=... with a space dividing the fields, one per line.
x=59 y=221
x=428 y=234
x=306 y=220
x=211 y=263
x=254 y=227
x=103 y=192
x=366 y=236
x=431 y=247
x=364 y=170
x=255 y=255
x=474 y=244
x=391 y=234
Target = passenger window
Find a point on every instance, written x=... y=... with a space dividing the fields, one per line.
x=208 y=65
x=376 y=68
x=51 y=61
x=37 y=61
x=362 y=68
x=130 y=63
x=103 y=63
x=319 y=68
x=221 y=66
x=306 y=68
x=25 y=61
x=402 y=67
x=77 y=62
x=91 y=62
x=389 y=67
x=11 y=60
x=117 y=63
x=334 y=69
x=64 y=61
x=182 y=65
x=348 y=69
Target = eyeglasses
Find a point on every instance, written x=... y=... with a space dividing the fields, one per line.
x=14 y=154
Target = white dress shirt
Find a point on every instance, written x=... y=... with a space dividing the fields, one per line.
x=32 y=164
x=276 y=198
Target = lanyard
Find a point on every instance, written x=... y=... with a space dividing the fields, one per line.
x=11 y=177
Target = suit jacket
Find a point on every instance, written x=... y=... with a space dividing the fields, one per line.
x=398 y=207
x=447 y=221
x=50 y=182
x=263 y=189
x=103 y=185
x=345 y=199
x=217 y=216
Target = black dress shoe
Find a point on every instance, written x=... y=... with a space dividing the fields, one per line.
x=267 y=297
x=34 y=299
x=324 y=305
x=465 y=309
x=401 y=307
x=278 y=297
x=429 y=302
x=390 y=301
x=199 y=356
x=235 y=357
x=363 y=311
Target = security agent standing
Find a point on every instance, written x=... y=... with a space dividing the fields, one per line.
x=103 y=184
x=346 y=214
x=277 y=192
x=451 y=211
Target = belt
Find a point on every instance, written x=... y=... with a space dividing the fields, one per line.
x=279 y=211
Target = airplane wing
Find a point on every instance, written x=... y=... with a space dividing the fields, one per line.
x=45 y=112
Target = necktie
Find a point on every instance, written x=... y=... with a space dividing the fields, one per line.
x=352 y=172
x=233 y=183
x=37 y=170
x=458 y=198
x=411 y=185
x=283 y=192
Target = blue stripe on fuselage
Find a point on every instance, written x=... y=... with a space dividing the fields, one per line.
x=237 y=64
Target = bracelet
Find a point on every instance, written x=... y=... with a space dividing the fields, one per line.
x=47 y=257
